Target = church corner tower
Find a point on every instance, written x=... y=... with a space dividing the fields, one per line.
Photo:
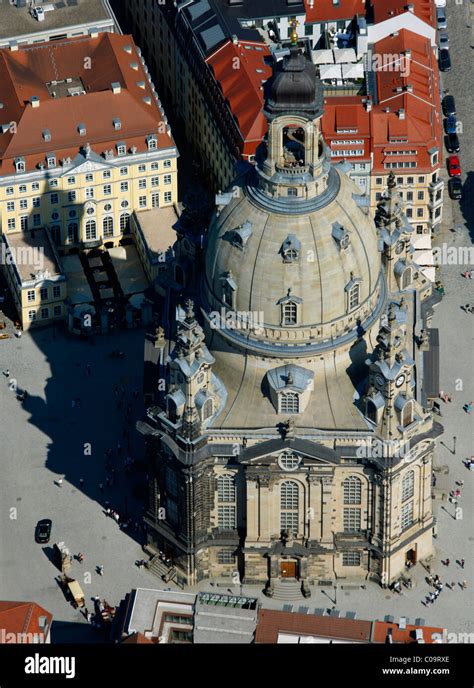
x=292 y=439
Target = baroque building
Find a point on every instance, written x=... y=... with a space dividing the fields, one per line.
x=289 y=435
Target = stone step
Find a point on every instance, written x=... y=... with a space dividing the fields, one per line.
x=287 y=590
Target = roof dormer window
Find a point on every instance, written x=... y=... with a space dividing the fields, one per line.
x=51 y=160
x=229 y=288
x=47 y=135
x=20 y=165
x=152 y=142
x=117 y=123
x=290 y=309
x=121 y=148
x=241 y=235
x=291 y=249
x=340 y=236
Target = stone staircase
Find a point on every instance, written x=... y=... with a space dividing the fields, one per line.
x=289 y=589
x=159 y=569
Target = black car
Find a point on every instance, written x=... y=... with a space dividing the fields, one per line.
x=444 y=60
x=455 y=188
x=449 y=106
x=452 y=143
x=43 y=531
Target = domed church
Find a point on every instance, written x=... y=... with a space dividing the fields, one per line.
x=289 y=437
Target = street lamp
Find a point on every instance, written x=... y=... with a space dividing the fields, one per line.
x=335 y=594
x=454 y=442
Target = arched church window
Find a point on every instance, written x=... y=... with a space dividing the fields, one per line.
x=408 y=485
x=371 y=411
x=226 y=502
x=406 y=278
x=407 y=414
x=289 y=507
x=293 y=143
x=172 y=411
x=289 y=402
x=352 y=489
x=207 y=409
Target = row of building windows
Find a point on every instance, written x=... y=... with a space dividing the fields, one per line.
x=393 y=165
x=45 y=313
x=400 y=180
x=227 y=556
x=409 y=195
x=89 y=177
x=43 y=293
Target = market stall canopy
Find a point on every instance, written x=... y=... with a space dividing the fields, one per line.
x=330 y=71
x=344 y=55
x=353 y=71
x=323 y=57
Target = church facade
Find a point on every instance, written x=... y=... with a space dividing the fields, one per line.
x=291 y=438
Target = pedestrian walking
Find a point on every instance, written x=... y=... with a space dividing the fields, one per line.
x=100 y=570
x=6 y=373
x=59 y=482
x=468 y=407
x=464 y=585
x=461 y=563
x=446 y=562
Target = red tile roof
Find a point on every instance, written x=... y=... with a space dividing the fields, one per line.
x=270 y=623
x=417 y=79
x=384 y=9
x=346 y=112
x=381 y=630
x=97 y=62
x=240 y=70
x=23 y=617
x=325 y=10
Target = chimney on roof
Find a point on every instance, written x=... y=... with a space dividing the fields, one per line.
x=411 y=8
x=235 y=39
x=311 y=4
x=13 y=46
x=116 y=87
x=94 y=33
x=134 y=65
x=147 y=100
x=128 y=49
x=117 y=123
x=42 y=622
x=141 y=84
x=35 y=101
x=401 y=113
x=410 y=88
x=387 y=109
x=408 y=53
x=368 y=105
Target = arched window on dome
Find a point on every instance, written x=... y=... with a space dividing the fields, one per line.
x=290 y=309
x=290 y=313
x=229 y=287
x=289 y=402
x=352 y=290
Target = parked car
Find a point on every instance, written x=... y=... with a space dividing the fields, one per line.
x=450 y=124
x=444 y=60
x=455 y=188
x=454 y=166
x=441 y=18
x=43 y=531
x=443 y=40
x=452 y=143
x=449 y=106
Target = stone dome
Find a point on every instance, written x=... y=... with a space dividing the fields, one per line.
x=267 y=257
